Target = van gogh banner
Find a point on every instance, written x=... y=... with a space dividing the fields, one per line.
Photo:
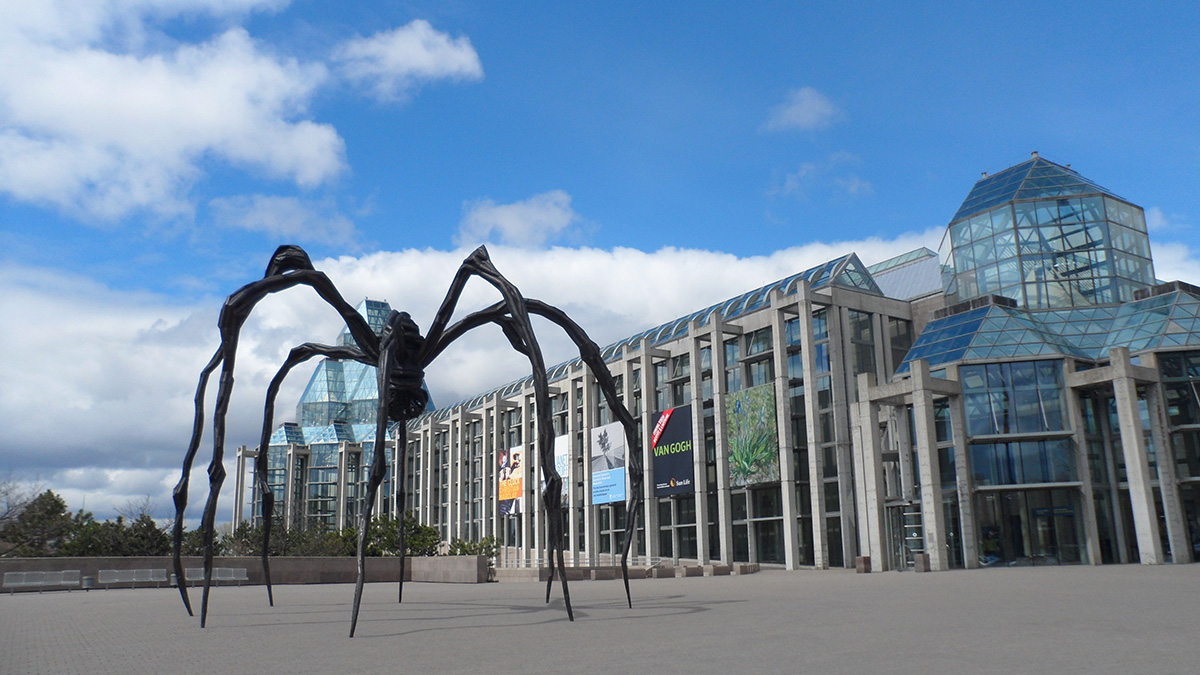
x=753 y=437
x=608 y=463
x=511 y=491
x=671 y=444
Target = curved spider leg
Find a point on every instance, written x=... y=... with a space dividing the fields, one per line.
x=289 y=266
x=180 y=494
x=480 y=265
x=590 y=354
x=297 y=356
x=395 y=375
x=376 y=477
x=401 y=498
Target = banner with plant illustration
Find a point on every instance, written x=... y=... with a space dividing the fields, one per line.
x=608 y=463
x=671 y=444
x=752 y=436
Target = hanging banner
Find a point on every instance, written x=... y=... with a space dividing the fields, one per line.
x=511 y=491
x=671 y=445
x=608 y=463
x=562 y=447
x=752 y=436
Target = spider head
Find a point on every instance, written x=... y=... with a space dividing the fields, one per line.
x=406 y=396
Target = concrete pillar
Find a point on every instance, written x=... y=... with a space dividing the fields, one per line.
x=783 y=422
x=841 y=355
x=933 y=521
x=591 y=516
x=574 y=451
x=1091 y=527
x=339 y=504
x=649 y=385
x=964 y=484
x=724 y=505
x=816 y=461
x=1137 y=466
x=239 y=503
x=871 y=487
x=700 y=452
x=1168 y=486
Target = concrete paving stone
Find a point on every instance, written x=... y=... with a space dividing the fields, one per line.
x=1111 y=619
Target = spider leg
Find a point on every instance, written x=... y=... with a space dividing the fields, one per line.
x=297 y=356
x=590 y=354
x=392 y=353
x=289 y=267
x=180 y=493
x=519 y=331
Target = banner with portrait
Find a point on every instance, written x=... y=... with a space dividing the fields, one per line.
x=511 y=479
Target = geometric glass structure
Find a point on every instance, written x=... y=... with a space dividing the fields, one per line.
x=1045 y=236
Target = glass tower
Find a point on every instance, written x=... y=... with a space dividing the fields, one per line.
x=1045 y=236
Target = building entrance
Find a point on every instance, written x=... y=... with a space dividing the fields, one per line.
x=1029 y=527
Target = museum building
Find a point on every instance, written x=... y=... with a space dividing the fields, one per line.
x=1026 y=395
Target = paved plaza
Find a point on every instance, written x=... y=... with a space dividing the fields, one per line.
x=1113 y=619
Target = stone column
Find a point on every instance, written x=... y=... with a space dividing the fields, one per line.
x=783 y=422
x=700 y=452
x=1168 y=486
x=841 y=354
x=1137 y=465
x=816 y=460
x=1083 y=470
x=871 y=487
x=724 y=505
x=239 y=503
x=575 y=425
x=649 y=385
x=933 y=521
x=964 y=484
x=343 y=481
x=591 y=517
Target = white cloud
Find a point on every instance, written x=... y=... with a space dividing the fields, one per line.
x=393 y=62
x=806 y=109
x=1160 y=221
x=101 y=132
x=528 y=223
x=290 y=218
x=1175 y=261
x=832 y=174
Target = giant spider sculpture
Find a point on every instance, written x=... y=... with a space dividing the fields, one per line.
x=400 y=355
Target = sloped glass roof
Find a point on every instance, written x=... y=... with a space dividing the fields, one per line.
x=996 y=331
x=846 y=271
x=1034 y=179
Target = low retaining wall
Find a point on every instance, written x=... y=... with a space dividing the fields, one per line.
x=284 y=570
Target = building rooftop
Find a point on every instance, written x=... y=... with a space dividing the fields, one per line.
x=1036 y=178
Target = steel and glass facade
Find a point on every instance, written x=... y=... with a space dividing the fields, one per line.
x=1030 y=396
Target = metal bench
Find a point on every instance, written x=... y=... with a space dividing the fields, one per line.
x=195 y=575
x=41 y=580
x=133 y=577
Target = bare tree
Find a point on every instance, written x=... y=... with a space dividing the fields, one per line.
x=137 y=507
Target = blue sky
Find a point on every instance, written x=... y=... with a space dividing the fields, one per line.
x=154 y=152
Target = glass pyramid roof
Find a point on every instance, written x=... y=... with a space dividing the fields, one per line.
x=1034 y=179
x=1163 y=321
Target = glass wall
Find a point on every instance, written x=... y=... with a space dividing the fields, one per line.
x=1074 y=251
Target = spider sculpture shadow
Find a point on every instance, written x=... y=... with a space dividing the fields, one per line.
x=400 y=355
